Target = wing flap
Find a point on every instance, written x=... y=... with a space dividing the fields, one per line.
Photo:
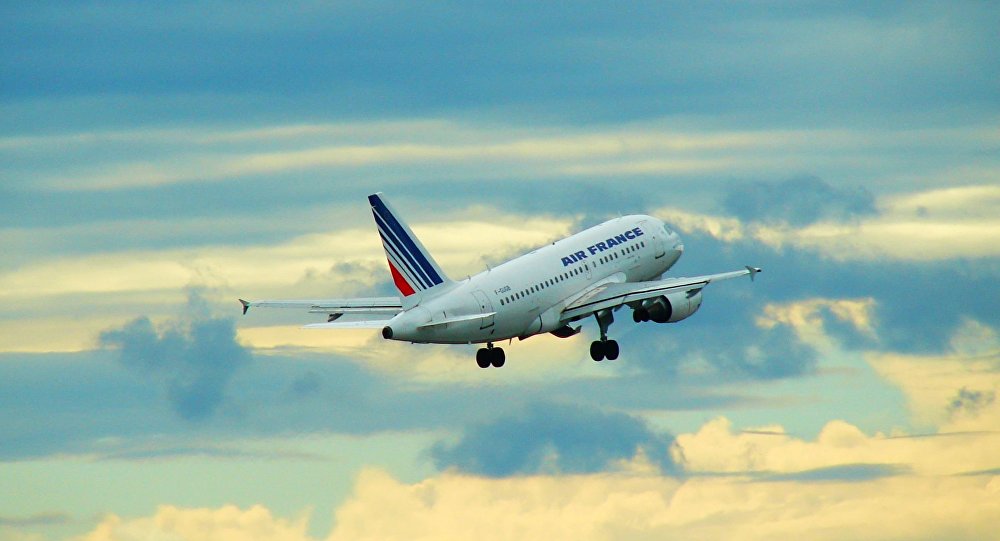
x=613 y=295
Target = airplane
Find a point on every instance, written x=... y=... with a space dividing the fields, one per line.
x=596 y=272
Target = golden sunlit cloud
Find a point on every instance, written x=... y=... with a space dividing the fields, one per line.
x=924 y=226
x=606 y=507
x=717 y=448
x=653 y=147
x=313 y=266
x=806 y=319
x=956 y=391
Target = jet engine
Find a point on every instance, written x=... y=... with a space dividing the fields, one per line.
x=669 y=308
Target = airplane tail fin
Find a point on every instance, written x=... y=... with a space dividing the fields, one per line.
x=413 y=269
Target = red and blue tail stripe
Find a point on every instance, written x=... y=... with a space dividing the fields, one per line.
x=412 y=268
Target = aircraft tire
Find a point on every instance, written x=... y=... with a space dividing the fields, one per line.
x=483 y=358
x=611 y=350
x=499 y=358
x=597 y=350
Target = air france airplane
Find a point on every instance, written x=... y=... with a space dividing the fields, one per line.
x=596 y=272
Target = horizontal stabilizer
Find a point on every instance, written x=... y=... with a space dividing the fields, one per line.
x=366 y=305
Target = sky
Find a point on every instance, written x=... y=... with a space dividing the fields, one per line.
x=159 y=162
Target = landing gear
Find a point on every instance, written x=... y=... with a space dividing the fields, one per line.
x=604 y=348
x=490 y=356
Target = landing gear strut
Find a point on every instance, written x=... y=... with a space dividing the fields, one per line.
x=489 y=355
x=604 y=348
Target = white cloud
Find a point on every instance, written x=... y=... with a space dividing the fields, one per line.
x=842 y=485
x=229 y=523
x=114 y=287
x=922 y=226
x=200 y=153
x=717 y=447
x=609 y=506
x=955 y=391
x=806 y=319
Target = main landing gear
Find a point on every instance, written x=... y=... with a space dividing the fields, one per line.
x=604 y=348
x=489 y=355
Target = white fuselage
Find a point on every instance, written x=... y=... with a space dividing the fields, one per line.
x=526 y=295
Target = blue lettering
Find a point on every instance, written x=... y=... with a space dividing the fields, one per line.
x=580 y=256
x=601 y=246
x=630 y=235
x=638 y=232
x=620 y=239
x=612 y=242
x=567 y=261
x=592 y=249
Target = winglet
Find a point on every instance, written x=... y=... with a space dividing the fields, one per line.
x=246 y=306
x=753 y=271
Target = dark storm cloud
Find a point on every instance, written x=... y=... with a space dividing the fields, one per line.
x=194 y=360
x=549 y=436
x=798 y=201
x=590 y=61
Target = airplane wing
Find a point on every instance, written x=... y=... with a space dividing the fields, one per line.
x=364 y=312
x=613 y=295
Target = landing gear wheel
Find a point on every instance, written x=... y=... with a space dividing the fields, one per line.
x=483 y=358
x=498 y=357
x=611 y=350
x=597 y=350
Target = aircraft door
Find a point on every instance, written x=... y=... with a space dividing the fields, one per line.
x=657 y=241
x=485 y=306
x=658 y=246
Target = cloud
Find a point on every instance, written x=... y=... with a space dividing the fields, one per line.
x=845 y=473
x=194 y=360
x=540 y=62
x=953 y=390
x=925 y=226
x=969 y=402
x=897 y=295
x=840 y=451
x=230 y=522
x=799 y=201
x=608 y=506
x=822 y=323
x=721 y=342
x=553 y=438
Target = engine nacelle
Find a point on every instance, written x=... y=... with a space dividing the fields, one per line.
x=669 y=308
